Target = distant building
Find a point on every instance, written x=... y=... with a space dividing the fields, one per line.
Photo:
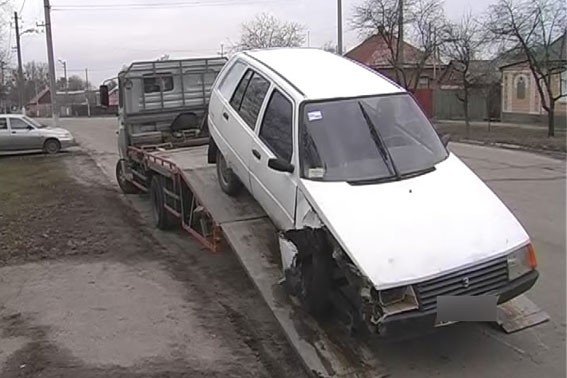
x=71 y=104
x=375 y=54
x=521 y=101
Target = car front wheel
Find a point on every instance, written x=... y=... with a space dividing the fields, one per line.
x=228 y=181
x=52 y=146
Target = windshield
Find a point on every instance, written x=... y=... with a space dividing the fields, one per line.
x=369 y=138
x=33 y=122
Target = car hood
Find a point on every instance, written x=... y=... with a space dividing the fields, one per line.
x=55 y=131
x=412 y=230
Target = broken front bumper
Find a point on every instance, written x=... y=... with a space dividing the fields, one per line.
x=418 y=321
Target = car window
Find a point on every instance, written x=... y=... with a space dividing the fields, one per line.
x=253 y=99
x=18 y=124
x=3 y=124
x=231 y=79
x=277 y=126
x=162 y=83
x=236 y=99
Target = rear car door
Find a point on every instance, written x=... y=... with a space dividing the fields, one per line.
x=4 y=134
x=275 y=190
x=238 y=122
x=24 y=136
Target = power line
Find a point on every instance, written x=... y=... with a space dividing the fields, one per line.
x=163 y=5
x=22 y=7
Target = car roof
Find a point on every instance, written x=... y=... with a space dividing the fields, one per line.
x=318 y=74
x=12 y=115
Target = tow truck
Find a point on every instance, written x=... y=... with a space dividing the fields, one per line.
x=163 y=144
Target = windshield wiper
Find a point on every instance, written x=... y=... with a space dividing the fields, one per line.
x=418 y=173
x=374 y=180
x=378 y=140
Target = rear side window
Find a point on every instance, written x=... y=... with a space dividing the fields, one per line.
x=236 y=99
x=3 y=124
x=277 y=126
x=253 y=99
x=231 y=79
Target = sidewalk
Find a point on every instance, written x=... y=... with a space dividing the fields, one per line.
x=509 y=135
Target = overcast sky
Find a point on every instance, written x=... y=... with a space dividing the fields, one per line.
x=105 y=40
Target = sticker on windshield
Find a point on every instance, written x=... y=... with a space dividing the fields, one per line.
x=316 y=173
x=314 y=116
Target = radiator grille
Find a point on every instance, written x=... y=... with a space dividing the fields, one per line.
x=476 y=280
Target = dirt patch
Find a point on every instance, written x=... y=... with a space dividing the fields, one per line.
x=529 y=138
x=87 y=289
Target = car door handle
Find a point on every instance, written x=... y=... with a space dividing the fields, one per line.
x=13 y=132
x=225 y=115
x=256 y=154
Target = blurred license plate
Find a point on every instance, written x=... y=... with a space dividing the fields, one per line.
x=465 y=308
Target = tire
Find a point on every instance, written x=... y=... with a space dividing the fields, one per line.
x=162 y=218
x=126 y=186
x=316 y=282
x=228 y=181
x=51 y=146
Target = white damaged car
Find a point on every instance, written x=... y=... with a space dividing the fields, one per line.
x=376 y=217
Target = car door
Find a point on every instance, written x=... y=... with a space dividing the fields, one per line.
x=4 y=134
x=275 y=190
x=239 y=118
x=24 y=136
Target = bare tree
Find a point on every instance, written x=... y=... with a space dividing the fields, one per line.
x=463 y=42
x=531 y=27
x=266 y=31
x=422 y=23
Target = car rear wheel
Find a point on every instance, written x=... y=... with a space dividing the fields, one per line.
x=228 y=181
x=52 y=146
x=125 y=185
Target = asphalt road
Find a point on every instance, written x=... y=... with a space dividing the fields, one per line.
x=534 y=188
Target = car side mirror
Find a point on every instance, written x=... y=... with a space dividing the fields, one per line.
x=281 y=165
x=445 y=139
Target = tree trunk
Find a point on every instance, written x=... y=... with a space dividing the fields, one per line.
x=466 y=111
x=551 y=119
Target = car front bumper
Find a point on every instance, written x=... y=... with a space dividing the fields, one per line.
x=415 y=322
x=67 y=142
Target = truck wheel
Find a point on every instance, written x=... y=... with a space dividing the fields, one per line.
x=162 y=218
x=52 y=146
x=126 y=186
x=229 y=182
x=316 y=281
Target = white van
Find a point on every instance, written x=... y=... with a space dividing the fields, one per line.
x=370 y=204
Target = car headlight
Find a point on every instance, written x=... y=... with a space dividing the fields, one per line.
x=521 y=261
x=396 y=295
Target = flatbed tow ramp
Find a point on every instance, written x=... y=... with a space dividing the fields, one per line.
x=191 y=193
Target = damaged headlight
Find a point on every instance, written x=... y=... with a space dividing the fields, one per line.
x=521 y=261
x=398 y=299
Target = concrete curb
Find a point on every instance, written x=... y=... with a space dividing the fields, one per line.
x=507 y=146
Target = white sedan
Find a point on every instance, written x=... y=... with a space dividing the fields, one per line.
x=21 y=133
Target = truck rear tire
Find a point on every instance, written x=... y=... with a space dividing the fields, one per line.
x=126 y=186
x=228 y=181
x=163 y=219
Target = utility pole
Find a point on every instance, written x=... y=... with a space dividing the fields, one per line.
x=2 y=102
x=400 y=46
x=52 y=86
x=340 y=26
x=86 y=79
x=20 y=70
x=222 y=50
x=64 y=63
